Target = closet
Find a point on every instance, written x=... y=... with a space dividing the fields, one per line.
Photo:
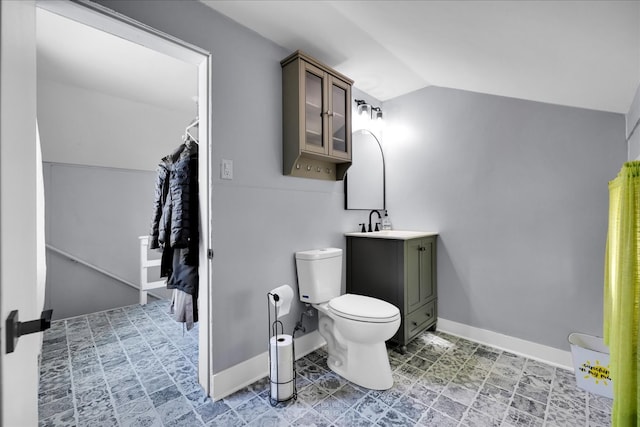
x=103 y=130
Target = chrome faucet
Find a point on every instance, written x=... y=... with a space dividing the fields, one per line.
x=377 y=223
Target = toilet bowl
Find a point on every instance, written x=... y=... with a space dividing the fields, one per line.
x=356 y=335
x=355 y=327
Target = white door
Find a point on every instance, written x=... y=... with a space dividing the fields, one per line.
x=18 y=217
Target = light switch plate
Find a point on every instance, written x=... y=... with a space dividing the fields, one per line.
x=226 y=169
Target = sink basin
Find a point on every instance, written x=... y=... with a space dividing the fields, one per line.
x=393 y=234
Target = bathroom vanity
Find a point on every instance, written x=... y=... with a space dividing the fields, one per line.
x=398 y=267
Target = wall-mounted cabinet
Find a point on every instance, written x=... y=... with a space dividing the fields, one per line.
x=316 y=119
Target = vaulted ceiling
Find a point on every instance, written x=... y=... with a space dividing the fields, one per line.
x=577 y=53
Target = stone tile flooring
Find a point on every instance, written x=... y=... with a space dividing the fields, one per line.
x=134 y=366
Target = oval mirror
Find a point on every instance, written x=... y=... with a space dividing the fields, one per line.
x=365 y=179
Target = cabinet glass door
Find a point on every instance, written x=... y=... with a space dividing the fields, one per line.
x=339 y=124
x=314 y=138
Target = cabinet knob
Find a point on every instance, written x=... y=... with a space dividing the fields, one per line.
x=414 y=323
x=428 y=314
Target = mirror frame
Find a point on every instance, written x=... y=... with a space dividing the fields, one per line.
x=384 y=176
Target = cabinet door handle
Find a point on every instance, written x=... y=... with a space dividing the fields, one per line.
x=414 y=323
x=428 y=314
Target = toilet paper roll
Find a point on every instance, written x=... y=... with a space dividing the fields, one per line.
x=285 y=296
x=281 y=369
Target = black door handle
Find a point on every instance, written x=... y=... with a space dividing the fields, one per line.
x=16 y=329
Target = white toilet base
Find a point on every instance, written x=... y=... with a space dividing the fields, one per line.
x=367 y=366
x=364 y=364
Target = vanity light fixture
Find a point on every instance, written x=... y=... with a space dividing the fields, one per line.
x=363 y=107
x=378 y=113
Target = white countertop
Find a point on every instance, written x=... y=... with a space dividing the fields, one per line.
x=393 y=234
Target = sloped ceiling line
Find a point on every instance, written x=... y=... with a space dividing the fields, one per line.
x=578 y=53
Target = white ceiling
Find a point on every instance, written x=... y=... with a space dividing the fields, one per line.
x=577 y=53
x=76 y=54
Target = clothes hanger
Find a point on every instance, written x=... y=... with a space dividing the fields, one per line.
x=188 y=132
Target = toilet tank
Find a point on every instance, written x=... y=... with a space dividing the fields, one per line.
x=319 y=274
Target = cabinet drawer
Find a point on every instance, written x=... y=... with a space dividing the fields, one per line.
x=420 y=318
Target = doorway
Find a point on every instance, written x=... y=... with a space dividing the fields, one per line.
x=96 y=157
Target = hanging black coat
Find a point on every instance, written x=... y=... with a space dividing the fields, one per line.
x=175 y=218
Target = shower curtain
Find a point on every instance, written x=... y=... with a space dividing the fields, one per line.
x=622 y=293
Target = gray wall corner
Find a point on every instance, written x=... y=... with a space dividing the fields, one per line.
x=632 y=119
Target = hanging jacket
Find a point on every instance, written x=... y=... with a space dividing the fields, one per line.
x=159 y=199
x=174 y=222
x=183 y=186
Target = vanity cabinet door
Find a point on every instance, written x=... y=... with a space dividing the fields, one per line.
x=374 y=269
x=419 y=273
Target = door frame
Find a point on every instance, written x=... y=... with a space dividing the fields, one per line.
x=107 y=20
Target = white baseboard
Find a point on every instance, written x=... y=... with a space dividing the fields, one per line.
x=532 y=350
x=241 y=375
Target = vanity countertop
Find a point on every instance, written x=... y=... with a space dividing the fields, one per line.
x=393 y=234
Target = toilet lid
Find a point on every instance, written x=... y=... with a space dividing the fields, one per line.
x=364 y=309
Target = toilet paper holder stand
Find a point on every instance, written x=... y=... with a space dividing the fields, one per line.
x=277 y=328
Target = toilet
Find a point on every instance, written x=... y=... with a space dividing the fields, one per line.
x=354 y=326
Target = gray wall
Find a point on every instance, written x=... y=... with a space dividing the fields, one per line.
x=518 y=192
x=261 y=217
x=88 y=127
x=95 y=214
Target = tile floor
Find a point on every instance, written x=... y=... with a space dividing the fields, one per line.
x=134 y=366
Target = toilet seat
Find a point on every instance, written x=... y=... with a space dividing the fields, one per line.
x=363 y=309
